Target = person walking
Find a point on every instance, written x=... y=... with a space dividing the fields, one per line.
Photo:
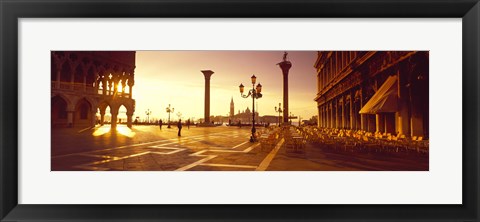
x=188 y=123
x=160 y=124
x=179 y=125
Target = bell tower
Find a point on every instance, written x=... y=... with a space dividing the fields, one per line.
x=232 y=108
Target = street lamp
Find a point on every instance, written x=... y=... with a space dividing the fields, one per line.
x=255 y=92
x=148 y=112
x=279 y=111
x=169 y=110
x=290 y=118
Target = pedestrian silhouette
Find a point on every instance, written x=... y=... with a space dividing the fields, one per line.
x=188 y=123
x=160 y=124
x=179 y=127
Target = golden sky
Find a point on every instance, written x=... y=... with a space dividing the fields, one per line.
x=174 y=77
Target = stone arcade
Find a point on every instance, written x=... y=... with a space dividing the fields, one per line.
x=385 y=91
x=84 y=82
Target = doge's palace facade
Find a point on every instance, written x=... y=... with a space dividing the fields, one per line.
x=84 y=83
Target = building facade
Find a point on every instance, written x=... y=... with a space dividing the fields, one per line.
x=84 y=83
x=245 y=116
x=375 y=91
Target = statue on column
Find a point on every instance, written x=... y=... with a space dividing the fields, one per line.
x=285 y=56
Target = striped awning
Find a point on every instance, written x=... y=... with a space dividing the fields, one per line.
x=385 y=100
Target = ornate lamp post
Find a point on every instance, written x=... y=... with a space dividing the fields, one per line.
x=255 y=92
x=169 y=110
x=148 y=112
x=279 y=111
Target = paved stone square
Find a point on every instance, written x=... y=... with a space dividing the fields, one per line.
x=147 y=148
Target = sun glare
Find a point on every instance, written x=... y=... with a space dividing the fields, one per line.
x=101 y=130
x=124 y=130
x=121 y=129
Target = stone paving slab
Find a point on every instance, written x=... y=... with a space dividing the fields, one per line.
x=205 y=149
x=317 y=158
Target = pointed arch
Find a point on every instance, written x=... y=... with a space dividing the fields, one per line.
x=83 y=114
x=66 y=99
x=58 y=112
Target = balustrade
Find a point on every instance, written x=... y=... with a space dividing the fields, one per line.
x=80 y=87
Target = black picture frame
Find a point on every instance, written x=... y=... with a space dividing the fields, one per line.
x=11 y=11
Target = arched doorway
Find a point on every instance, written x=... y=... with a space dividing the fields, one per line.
x=103 y=115
x=83 y=114
x=122 y=115
x=59 y=112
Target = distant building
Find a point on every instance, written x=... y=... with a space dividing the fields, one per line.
x=245 y=116
x=84 y=82
x=269 y=119
x=384 y=91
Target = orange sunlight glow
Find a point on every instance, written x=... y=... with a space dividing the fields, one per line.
x=121 y=129
x=124 y=130
x=101 y=130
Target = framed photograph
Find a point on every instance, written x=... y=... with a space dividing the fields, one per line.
x=315 y=110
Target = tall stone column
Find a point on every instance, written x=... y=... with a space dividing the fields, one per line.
x=319 y=120
x=129 y=119
x=285 y=66
x=352 y=118
x=207 y=74
x=102 y=116
x=114 y=119
x=330 y=116
x=335 y=119
x=342 y=114
x=380 y=122
x=324 y=113
x=94 y=118
x=363 y=117
x=403 y=115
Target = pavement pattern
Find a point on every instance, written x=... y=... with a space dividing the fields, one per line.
x=149 y=148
